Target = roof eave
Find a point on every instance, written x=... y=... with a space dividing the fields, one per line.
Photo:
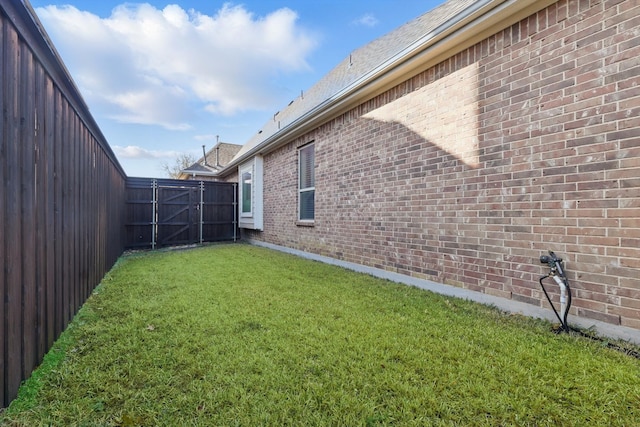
x=474 y=24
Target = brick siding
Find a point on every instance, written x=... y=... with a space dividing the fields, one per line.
x=466 y=173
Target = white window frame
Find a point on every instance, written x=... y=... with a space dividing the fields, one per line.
x=244 y=170
x=253 y=220
x=302 y=189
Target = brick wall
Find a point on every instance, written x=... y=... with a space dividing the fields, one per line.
x=468 y=172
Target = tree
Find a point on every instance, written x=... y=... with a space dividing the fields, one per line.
x=183 y=161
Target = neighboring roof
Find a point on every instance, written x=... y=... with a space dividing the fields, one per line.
x=197 y=167
x=214 y=160
x=434 y=36
x=220 y=154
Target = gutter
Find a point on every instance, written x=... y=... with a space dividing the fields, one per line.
x=197 y=173
x=477 y=22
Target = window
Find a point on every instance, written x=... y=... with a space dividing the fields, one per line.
x=245 y=191
x=250 y=194
x=306 y=183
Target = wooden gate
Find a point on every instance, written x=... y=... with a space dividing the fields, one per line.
x=164 y=212
x=178 y=215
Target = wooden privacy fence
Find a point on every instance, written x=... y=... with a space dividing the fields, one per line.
x=165 y=212
x=67 y=209
x=62 y=202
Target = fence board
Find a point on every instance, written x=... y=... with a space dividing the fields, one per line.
x=28 y=223
x=66 y=218
x=48 y=154
x=13 y=238
x=40 y=207
x=58 y=210
x=3 y=222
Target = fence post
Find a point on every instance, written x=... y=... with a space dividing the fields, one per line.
x=201 y=210
x=154 y=201
x=235 y=211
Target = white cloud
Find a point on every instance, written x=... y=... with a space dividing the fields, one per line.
x=164 y=67
x=368 y=20
x=135 y=152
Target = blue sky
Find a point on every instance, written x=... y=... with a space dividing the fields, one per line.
x=163 y=78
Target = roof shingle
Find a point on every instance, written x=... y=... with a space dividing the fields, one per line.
x=362 y=61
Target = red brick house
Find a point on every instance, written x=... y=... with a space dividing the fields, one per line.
x=463 y=145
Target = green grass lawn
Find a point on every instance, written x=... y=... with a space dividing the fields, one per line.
x=230 y=335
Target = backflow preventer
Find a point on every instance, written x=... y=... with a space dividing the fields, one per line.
x=556 y=267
